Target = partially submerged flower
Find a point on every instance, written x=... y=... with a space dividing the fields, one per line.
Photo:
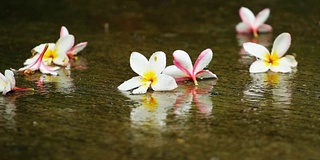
x=253 y=24
x=183 y=69
x=274 y=61
x=149 y=74
x=8 y=82
x=37 y=63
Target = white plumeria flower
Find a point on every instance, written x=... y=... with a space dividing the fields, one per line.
x=183 y=69
x=253 y=24
x=149 y=74
x=274 y=61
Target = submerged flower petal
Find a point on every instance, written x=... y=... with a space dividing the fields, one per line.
x=183 y=61
x=138 y=63
x=280 y=45
x=259 y=66
x=164 y=83
x=243 y=28
x=131 y=83
x=257 y=50
x=203 y=60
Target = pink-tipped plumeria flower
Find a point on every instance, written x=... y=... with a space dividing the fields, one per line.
x=274 y=61
x=75 y=49
x=183 y=69
x=56 y=52
x=149 y=74
x=8 y=83
x=253 y=24
x=37 y=63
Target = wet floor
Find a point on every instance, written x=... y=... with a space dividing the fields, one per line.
x=80 y=114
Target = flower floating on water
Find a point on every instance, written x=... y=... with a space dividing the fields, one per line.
x=253 y=24
x=60 y=52
x=274 y=61
x=149 y=74
x=183 y=69
x=8 y=83
x=37 y=63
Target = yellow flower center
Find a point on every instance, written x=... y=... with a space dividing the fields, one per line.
x=49 y=55
x=273 y=59
x=149 y=76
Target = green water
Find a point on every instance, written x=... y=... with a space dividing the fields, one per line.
x=81 y=114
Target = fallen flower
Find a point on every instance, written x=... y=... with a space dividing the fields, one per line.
x=37 y=63
x=183 y=69
x=253 y=24
x=75 y=49
x=149 y=74
x=274 y=61
x=8 y=83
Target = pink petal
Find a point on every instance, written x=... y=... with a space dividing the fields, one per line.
x=261 y=17
x=64 y=31
x=259 y=66
x=157 y=62
x=256 y=50
x=183 y=62
x=281 y=45
x=77 y=48
x=247 y=16
x=176 y=73
x=243 y=28
x=164 y=83
x=138 y=63
x=202 y=61
x=264 y=28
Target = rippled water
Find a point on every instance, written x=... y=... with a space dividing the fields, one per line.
x=81 y=114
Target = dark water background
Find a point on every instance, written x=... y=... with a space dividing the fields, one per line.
x=81 y=114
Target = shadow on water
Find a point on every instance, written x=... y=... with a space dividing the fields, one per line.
x=80 y=114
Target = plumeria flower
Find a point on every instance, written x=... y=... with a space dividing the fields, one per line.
x=274 y=61
x=149 y=74
x=37 y=63
x=8 y=83
x=253 y=24
x=183 y=69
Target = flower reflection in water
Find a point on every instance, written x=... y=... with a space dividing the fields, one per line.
x=190 y=95
x=7 y=112
x=263 y=39
x=269 y=88
x=151 y=109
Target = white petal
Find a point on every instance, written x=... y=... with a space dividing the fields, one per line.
x=138 y=63
x=261 y=17
x=10 y=77
x=3 y=82
x=243 y=28
x=32 y=59
x=204 y=74
x=40 y=48
x=203 y=60
x=247 y=16
x=291 y=60
x=64 y=31
x=164 y=83
x=280 y=45
x=183 y=61
x=256 y=50
x=157 y=62
x=259 y=66
x=142 y=89
x=264 y=28
x=174 y=72
x=131 y=83
x=282 y=65
x=64 y=44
